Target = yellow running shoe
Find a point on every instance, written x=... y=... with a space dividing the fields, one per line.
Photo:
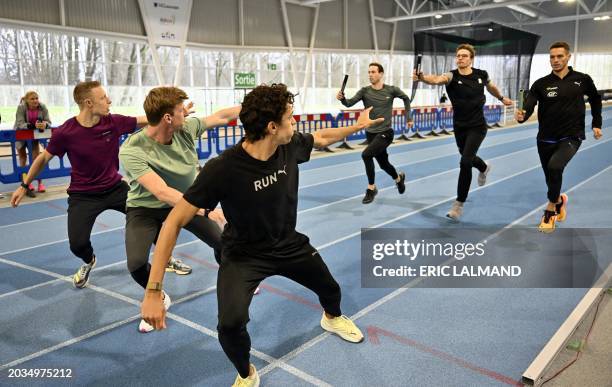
x=343 y=327
x=81 y=277
x=547 y=225
x=249 y=381
x=562 y=208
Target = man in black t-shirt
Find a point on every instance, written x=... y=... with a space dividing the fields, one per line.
x=561 y=124
x=256 y=182
x=465 y=87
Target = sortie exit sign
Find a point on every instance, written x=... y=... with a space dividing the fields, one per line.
x=244 y=80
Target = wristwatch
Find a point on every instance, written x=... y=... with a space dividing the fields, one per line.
x=206 y=212
x=154 y=286
x=25 y=186
x=501 y=98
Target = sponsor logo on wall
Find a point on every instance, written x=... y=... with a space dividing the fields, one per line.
x=164 y=5
x=167 y=21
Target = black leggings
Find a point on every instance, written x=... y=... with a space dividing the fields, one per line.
x=238 y=279
x=142 y=228
x=554 y=159
x=377 y=149
x=83 y=209
x=468 y=141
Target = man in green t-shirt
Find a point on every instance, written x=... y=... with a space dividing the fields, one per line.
x=160 y=163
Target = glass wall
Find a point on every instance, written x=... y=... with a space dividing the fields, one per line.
x=51 y=63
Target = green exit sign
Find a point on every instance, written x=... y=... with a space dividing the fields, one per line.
x=272 y=66
x=244 y=80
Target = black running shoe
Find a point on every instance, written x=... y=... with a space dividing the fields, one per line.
x=369 y=195
x=401 y=187
x=30 y=193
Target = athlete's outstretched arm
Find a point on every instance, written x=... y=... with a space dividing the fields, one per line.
x=430 y=79
x=325 y=137
x=37 y=166
x=494 y=91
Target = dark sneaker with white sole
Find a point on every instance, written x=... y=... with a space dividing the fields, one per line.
x=401 y=186
x=177 y=266
x=369 y=195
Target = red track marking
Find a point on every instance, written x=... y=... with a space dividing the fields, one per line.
x=373 y=336
x=290 y=297
x=374 y=332
x=57 y=207
x=102 y=224
x=201 y=261
x=271 y=289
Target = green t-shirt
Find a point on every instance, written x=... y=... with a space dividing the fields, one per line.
x=175 y=163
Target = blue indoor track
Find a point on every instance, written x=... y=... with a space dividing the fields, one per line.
x=414 y=336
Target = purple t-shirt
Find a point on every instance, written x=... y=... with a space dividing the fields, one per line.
x=93 y=152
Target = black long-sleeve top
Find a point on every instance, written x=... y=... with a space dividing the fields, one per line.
x=561 y=112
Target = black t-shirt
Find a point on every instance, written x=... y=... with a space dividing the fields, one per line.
x=466 y=93
x=561 y=113
x=259 y=199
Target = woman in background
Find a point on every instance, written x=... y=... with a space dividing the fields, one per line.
x=31 y=114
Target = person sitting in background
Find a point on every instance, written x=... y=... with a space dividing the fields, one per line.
x=31 y=114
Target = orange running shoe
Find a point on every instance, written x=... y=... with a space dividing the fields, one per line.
x=547 y=224
x=562 y=208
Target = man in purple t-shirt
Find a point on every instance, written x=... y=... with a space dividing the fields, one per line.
x=91 y=141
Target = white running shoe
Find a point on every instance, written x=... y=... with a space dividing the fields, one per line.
x=145 y=327
x=482 y=176
x=456 y=210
